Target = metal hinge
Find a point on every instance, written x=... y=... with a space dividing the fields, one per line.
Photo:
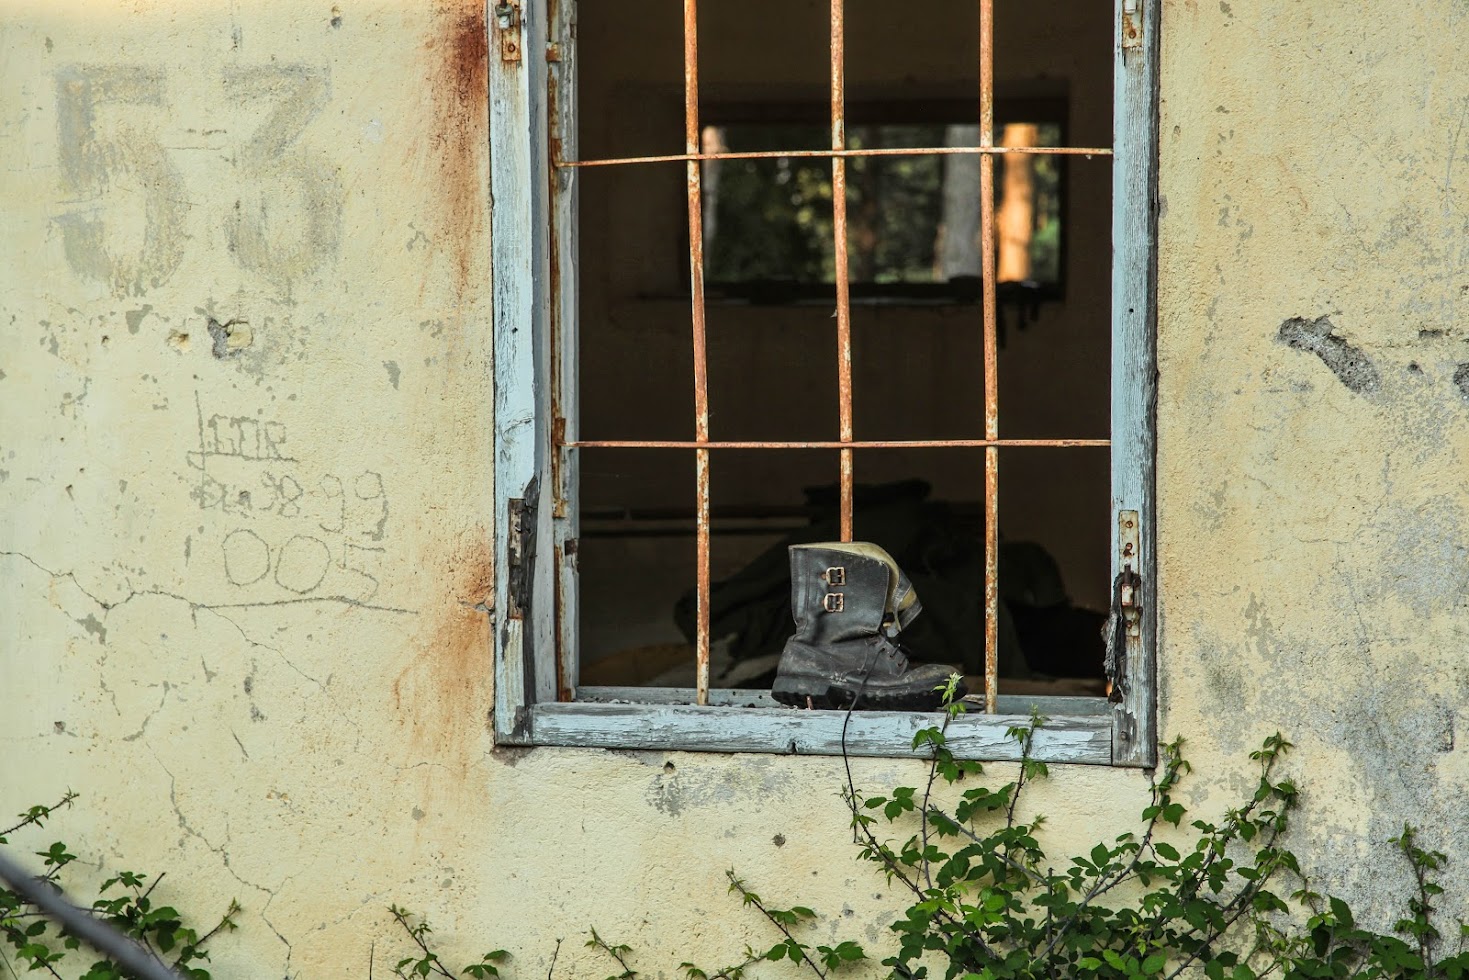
x=520 y=547
x=1131 y=30
x=507 y=20
x=1124 y=630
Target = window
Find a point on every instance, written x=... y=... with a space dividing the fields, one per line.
x=549 y=433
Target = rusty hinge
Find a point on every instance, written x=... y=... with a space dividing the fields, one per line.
x=520 y=557
x=1124 y=630
x=507 y=20
x=1132 y=24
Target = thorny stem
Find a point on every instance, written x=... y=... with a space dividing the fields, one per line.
x=417 y=937
x=754 y=900
x=859 y=827
x=226 y=921
x=933 y=771
x=46 y=811
x=1025 y=744
x=1103 y=884
x=613 y=952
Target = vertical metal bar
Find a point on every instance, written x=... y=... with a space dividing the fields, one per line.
x=839 y=234
x=991 y=367
x=701 y=356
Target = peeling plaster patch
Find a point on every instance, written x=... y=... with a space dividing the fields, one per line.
x=393 y=372
x=417 y=814
x=1351 y=367
x=178 y=341
x=373 y=131
x=94 y=626
x=230 y=337
x=135 y=317
x=1461 y=381
x=336 y=17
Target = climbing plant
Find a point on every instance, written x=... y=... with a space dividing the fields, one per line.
x=125 y=902
x=1219 y=899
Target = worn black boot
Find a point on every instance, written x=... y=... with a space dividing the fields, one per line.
x=849 y=601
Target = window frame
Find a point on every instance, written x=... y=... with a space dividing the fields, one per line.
x=532 y=87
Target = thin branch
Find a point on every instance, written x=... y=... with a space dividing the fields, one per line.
x=754 y=900
x=613 y=952
x=46 y=811
x=417 y=937
x=554 y=953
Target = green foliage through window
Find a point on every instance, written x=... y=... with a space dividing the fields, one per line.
x=770 y=219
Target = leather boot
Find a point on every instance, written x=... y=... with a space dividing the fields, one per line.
x=850 y=600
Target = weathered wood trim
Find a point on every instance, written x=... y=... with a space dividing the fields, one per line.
x=520 y=265
x=1134 y=359
x=1083 y=741
x=1050 y=706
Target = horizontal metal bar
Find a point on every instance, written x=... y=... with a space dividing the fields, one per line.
x=886 y=151
x=790 y=731
x=836 y=444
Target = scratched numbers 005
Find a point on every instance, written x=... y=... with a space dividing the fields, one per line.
x=316 y=535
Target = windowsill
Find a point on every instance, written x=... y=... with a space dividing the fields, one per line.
x=1078 y=730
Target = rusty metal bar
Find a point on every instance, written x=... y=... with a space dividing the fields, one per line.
x=839 y=234
x=991 y=356
x=835 y=444
x=888 y=151
x=701 y=354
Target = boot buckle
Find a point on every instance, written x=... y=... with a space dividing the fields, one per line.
x=833 y=602
x=837 y=575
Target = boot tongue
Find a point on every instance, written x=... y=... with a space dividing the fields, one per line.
x=904 y=605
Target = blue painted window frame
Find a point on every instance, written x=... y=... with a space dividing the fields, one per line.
x=532 y=78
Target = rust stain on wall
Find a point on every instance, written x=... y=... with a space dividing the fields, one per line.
x=443 y=695
x=458 y=86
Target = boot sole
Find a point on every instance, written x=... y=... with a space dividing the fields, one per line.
x=798 y=692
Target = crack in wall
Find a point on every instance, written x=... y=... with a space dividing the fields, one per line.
x=194 y=609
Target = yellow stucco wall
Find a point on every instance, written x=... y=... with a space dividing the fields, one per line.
x=241 y=565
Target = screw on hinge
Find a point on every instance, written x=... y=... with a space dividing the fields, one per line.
x=1132 y=24
x=507 y=17
x=1129 y=561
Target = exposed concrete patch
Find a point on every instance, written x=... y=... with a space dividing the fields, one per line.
x=393 y=372
x=94 y=626
x=230 y=337
x=135 y=317
x=1351 y=367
